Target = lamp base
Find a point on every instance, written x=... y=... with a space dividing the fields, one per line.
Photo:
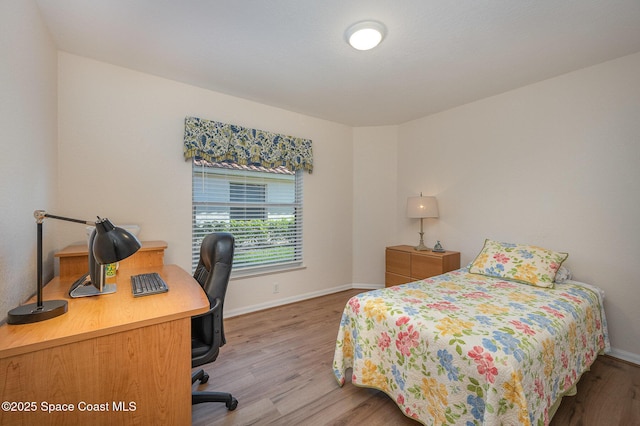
x=421 y=247
x=90 y=290
x=27 y=314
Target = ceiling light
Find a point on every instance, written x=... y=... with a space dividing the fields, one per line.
x=365 y=35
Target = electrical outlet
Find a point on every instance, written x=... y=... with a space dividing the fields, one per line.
x=276 y=288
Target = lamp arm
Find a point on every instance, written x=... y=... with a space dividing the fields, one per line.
x=41 y=214
x=39 y=303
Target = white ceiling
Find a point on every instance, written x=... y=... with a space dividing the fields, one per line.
x=292 y=54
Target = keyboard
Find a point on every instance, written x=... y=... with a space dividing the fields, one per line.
x=147 y=284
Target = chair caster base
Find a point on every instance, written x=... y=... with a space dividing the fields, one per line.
x=232 y=405
x=198 y=397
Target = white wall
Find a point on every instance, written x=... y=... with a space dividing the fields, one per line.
x=28 y=140
x=122 y=131
x=553 y=164
x=375 y=173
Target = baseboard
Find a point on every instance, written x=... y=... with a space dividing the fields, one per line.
x=279 y=302
x=367 y=286
x=625 y=356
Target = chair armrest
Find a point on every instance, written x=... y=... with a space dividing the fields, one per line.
x=207 y=332
x=217 y=306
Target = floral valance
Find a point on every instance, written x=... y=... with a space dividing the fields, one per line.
x=214 y=141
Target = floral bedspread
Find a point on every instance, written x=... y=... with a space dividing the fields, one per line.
x=462 y=348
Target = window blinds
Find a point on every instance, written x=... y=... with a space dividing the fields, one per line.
x=261 y=207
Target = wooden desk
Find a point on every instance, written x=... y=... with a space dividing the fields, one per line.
x=74 y=260
x=113 y=359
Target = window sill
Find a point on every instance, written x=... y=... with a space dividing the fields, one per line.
x=258 y=272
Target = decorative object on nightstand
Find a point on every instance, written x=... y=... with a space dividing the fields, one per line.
x=404 y=264
x=421 y=208
x=438 y=247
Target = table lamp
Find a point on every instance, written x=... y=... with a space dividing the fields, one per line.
x=111 y=244
x=422 y=207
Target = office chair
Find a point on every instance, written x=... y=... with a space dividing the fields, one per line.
x=207 y=332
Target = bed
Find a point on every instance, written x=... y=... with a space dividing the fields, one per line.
x=476 y=346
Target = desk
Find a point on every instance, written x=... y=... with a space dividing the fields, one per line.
x=113 y=359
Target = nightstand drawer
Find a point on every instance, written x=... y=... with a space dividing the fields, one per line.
x=395 y=279
x=398 y=262
x=425 y=266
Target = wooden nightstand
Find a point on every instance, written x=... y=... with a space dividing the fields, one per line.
x=404 y=264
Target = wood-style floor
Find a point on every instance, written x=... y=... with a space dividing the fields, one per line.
x=277 y=363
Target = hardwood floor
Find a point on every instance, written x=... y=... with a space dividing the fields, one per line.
x=609 y=394
x=277 y=363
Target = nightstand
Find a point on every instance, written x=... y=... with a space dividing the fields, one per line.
x=404 y=264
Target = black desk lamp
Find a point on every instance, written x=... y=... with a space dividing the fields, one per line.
x=110 y=244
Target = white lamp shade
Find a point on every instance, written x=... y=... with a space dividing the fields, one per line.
x=419 y=207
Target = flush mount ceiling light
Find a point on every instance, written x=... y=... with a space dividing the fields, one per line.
x=365 y=35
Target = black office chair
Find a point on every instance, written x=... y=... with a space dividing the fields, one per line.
x=207 y=332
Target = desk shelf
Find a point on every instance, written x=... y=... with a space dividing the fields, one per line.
x=74 y=258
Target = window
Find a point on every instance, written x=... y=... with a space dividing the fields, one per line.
x=261 y=207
